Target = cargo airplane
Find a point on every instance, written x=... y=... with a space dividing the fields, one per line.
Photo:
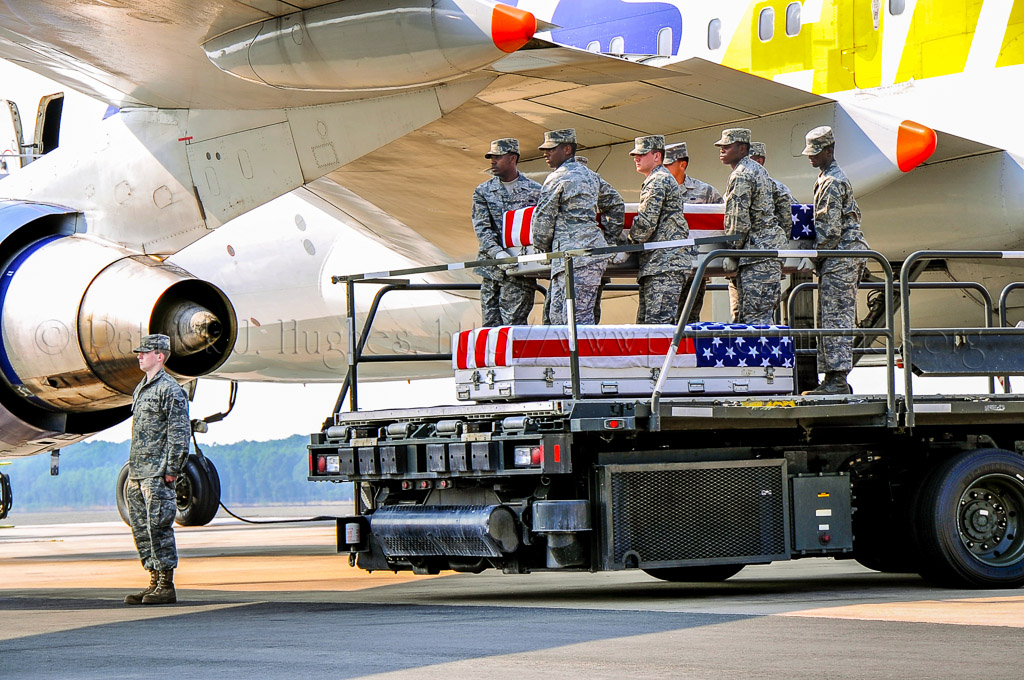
x=252 y=147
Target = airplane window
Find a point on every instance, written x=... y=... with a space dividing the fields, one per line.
x=665 y=42
x=793 y=19
x=896 y=7
x=617 y=45
x=714 y=34
x=766 y=24
x=594 y=46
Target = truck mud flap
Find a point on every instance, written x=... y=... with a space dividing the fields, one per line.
x=691 y=514
x=445 y=530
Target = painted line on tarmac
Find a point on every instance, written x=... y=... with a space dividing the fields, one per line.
x=986 y=611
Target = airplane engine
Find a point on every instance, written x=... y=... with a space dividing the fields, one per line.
x=72 y=309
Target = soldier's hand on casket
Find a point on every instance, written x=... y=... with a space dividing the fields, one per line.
x=805 y=264
x=505 y=267
x=620 y=258
x=729 y=264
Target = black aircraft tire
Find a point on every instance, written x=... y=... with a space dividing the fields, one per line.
x=213 y=498
x=970 y=521
x=119 y=494
x=708 y=574
x=197 y=502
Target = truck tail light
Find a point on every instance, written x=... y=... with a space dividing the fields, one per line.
x=327 y=464
x=528 y=456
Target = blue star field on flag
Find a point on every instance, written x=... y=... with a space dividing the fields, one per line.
x=803 y=222
x=747 y=351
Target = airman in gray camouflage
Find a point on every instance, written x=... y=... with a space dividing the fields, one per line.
x=659 y=218
x=677 y=161
x=611 y=211
x=504 y=300
x=782 y=197
x=160 y=434
x=565 y=219
x=836 y=227
x=750 y=213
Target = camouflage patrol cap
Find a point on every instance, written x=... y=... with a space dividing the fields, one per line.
x=818 y=140
x=553 y=138
x=583 y=159
x=646 y=144
x=758 y=149
x=154 y=342
x=500 y=147
x=675 y=152
x=732 y=135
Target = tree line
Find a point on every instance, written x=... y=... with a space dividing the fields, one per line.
x=251 y=473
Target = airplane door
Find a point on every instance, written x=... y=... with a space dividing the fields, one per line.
x=865 y=57
x=47 y=137
x=11 y=139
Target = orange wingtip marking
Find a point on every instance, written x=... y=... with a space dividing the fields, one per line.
x=915 y=143
x=511 y=28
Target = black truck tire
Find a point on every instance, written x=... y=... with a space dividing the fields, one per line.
x=708 y=574
x=970 y=521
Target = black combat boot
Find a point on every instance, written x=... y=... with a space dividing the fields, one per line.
x=164 y=592
x=136 y=598
x=834 y=383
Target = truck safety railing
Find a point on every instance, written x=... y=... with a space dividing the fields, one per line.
x=914 y=285
x=1009 y=288
x=888 y=332
x=959 y=339
x=391 y=281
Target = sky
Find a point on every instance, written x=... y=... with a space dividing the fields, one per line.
x=273 y=411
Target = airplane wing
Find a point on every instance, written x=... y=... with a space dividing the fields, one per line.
x=425 y=179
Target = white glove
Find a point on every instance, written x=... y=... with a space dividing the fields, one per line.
x=729 y=264
x=619 y=258
x=505 y=267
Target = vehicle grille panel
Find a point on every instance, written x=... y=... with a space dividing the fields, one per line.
x=697 y=512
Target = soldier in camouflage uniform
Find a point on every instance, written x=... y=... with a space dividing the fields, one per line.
x=659 y=217
x=565 y=219
x=160 y=434
x=836 y=227
x=782 y=197
x=677 y=161
x=750 y=213
x=612 y=211
x=504 y=300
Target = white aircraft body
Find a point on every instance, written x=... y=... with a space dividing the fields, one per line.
x=257 y=148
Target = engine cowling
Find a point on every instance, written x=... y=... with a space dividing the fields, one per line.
x=72 y=309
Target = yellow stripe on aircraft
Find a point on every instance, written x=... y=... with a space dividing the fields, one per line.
x=1012 y=51
x=940 y=38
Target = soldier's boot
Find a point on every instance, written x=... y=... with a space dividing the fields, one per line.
x=834 y=383
x=136 y=598
x=164 y=592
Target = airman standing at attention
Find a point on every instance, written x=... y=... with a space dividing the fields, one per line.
x=565 y=219
x=677 y=161
x=782 y=197
x=836 y=227
x=659 y=218
x=504 y=300
x=750 y=214
x=160 y=434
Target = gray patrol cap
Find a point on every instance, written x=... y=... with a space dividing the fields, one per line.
x=758 y=149
x=500 y=147
x=818 y=140
x=154 y=342
x=675 y=152
x=646 y=144
x=555 y=137
x=733 y=135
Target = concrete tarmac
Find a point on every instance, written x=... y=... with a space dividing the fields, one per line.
x=276 y=601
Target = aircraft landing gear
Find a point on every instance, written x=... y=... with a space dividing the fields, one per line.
x=5 y=495
x=197 y=491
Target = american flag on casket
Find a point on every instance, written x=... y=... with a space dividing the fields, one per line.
x=752 y=350
x=704 y=220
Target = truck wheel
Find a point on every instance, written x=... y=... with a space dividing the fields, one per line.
x=708 y=574
x=971 y=521
x=881 y=526
x=122 y=504
x=198 y=494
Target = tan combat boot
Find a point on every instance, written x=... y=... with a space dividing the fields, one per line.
x=164 y=592
x=136 y=598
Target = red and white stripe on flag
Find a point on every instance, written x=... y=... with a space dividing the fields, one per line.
x=625 y=346
x=702 y=217
x=516 y=227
